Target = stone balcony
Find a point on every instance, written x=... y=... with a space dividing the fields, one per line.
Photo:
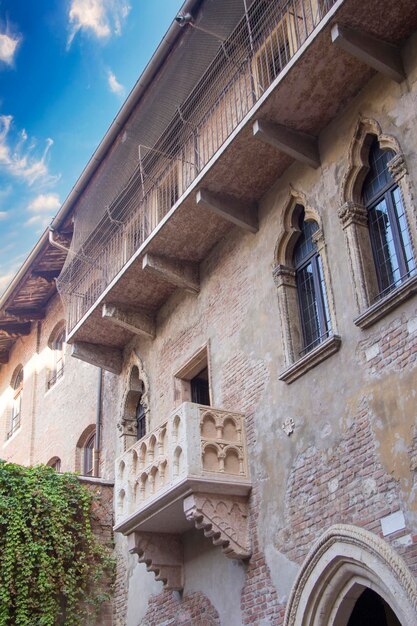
x=190 y=471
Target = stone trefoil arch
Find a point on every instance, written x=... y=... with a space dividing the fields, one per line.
x=340 y=566
x=354 y=216
x=285 y=280
x=136 y=387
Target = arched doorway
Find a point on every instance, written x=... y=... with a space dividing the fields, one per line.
x=372 y=610
x=352 y=577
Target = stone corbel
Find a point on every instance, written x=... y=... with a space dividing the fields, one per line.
x=397 y=167
x=352 y=213
x=224 y=519
x=162 y=554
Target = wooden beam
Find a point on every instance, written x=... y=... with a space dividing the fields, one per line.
x=236 y=211
x=15 y=328
x=382 y=56
x=27 y=315
x=300 y=146
x=183 y=274
x=48 y=275
x=4 y=358
x=109 y=359
x=137 y=321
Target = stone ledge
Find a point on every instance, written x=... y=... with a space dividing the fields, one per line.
x=94 y=480
x=387 y=304
x=311 y=359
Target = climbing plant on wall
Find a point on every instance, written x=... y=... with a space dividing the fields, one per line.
x=52 y=567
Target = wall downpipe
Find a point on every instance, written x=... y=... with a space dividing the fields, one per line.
x=98 y=422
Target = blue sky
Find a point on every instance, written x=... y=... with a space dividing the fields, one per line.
x=66 y=67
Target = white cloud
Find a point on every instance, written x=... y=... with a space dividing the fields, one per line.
x=43 y=207
x=8 y=47
x=5 y=279
x=45 y=203
x=19 y=159
x=3 y=215
x=114 y=85
x=102 y=17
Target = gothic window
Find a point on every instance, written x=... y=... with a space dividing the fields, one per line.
x=311 y=288
x=302 y=278
x=378 y=217
x=134 y=421
x=388 y=230
x=16 y=412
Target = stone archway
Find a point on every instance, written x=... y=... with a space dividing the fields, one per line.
x=136 y=389
x=344 y=562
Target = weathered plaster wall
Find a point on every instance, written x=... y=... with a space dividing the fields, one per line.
x=350 y=458
x=52 y=420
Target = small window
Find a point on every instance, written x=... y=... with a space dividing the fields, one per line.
x=57 y=346
x=311 y=289
x=200 y=392
x=17 y=386
x=140 y=420
x=88 y=464
x=192 y=381
x=55 y=463
x=390 y=238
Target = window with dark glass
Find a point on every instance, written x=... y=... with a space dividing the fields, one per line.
x=140 y=420
x=88 y=469
x=17 y=403
x=311 y=289
x=200 y=391
x=388 y=230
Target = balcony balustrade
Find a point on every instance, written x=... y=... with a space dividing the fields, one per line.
x=190 y=471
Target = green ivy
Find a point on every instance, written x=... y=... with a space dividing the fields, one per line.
x=52 y=568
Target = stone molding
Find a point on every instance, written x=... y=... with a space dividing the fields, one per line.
x=351 y=557
x=387 y=304
x=162 y=554
x=325 y=349
x=224 y=520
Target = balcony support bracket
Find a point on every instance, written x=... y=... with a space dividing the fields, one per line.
x=182 y=274
x=380 y=55
x=137 y=322
x=300 y=146
x=236 y=211
x=163 y=555
x=224 y=519
x=109 y=359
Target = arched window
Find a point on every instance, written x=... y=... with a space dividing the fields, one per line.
x=390 y=239
x=57 y=345
x=305 y=300
x=378 y=216
x=86 y=454
x=140 y=420
x=16 y=414
x=311 y=288
x=88 y=457
x=55 y=463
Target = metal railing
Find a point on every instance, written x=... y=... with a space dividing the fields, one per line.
x=263 y=43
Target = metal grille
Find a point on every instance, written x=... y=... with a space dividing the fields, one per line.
x=227 y=60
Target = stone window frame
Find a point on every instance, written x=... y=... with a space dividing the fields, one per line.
x=354 y=221
x=285 y=281
x=55 y=463
x=136 y=388
x=190 y=369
